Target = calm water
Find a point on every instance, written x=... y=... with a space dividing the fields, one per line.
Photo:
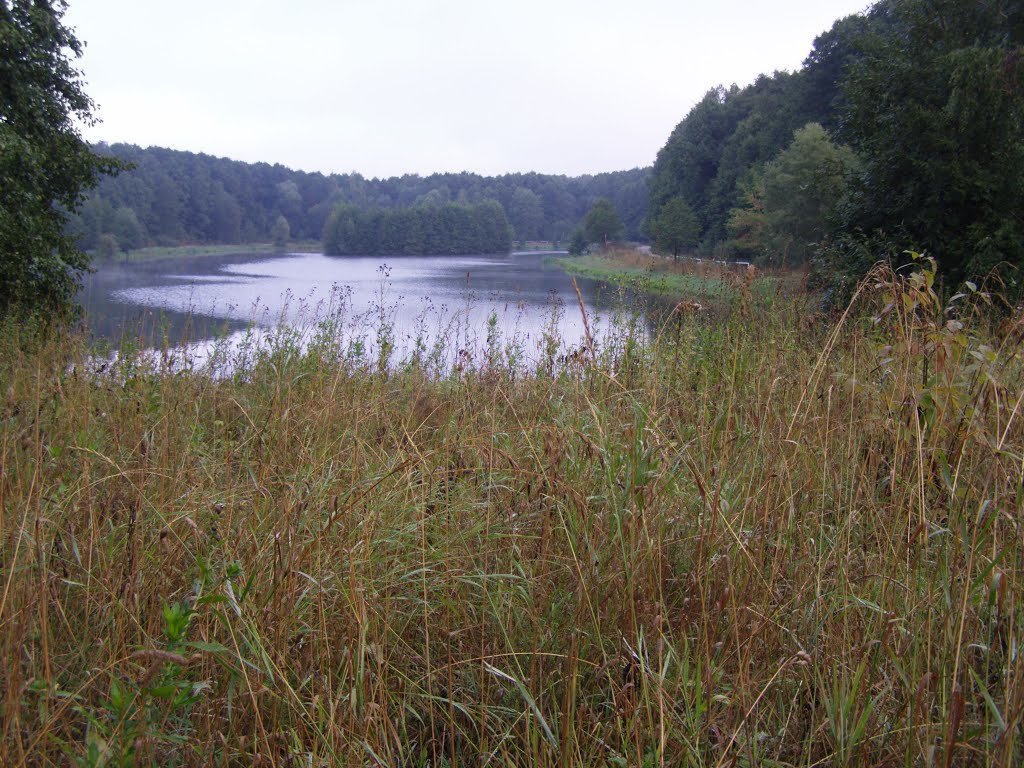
x=190 y=301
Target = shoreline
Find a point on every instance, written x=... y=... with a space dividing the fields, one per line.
x=649 y=274
x=161 y=253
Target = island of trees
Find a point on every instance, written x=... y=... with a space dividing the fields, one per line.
x=446 y=229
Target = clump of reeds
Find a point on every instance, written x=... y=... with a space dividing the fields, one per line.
x=769 y=539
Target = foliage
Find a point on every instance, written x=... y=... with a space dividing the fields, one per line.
x=602 y=223
x=927 y=93
x=936 y=111
x=108 y=247
x=676 y=228
x=802 y=188
x=709 y=157
x=688 y=163
x=186 y=197
x=526 y=210
x=728 y=132
x=127 y=229
x=446 y=229
x=828 y=64
x=771 y=539
x=748 y=226
x=44 y=163
x=790 y=204
x=578 y=245
x=280 y=233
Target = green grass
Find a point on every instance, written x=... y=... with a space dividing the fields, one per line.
x=539 y=245
x=775 y=539
x=664 y=278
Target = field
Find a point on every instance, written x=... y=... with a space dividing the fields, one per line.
x=768 y=538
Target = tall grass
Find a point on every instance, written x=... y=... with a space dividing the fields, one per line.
x=768 y=539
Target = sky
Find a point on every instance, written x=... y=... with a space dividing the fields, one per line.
x=389 y=87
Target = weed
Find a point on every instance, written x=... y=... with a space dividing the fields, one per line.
x=753 y=537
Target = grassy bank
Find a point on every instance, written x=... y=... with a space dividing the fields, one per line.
x=706 y=281
x=540 y=245
x=772 y=540
x=157 y=253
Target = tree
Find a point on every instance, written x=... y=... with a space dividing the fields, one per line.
x=45 y=165
x=447 y=229
x=790 y=204
x=339 y=235
x=578 y=245
x=802 y=188
x=107 y=247
x=526 y=214
x=166 y=210
x=748 y=228
x=280 y=233
x=225 y=217
x=676 y=227
x=126 y=228
x=827 y=65
x=602 y=224
x=289 y=200
x=935 y=110
x=182 y=196
x=688 y=163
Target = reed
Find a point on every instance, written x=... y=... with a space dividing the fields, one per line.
x=768 y=538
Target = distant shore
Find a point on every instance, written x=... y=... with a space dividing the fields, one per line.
x=158 y=253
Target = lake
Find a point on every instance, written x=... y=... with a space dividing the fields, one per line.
x=450 y=301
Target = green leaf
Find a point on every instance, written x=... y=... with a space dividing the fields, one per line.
x=207 y=647
x=530 y=702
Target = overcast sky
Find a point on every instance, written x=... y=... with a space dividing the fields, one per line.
x=386 y=87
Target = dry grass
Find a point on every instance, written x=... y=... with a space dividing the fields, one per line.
x=771 y=540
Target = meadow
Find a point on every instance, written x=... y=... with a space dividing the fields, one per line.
x=758 y=536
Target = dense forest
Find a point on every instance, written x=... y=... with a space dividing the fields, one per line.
x=445 y=229
x=168 y=197
x=904 y=129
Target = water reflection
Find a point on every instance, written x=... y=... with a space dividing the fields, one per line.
x=468 y=302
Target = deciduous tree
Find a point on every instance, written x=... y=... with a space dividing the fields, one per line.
x=44 y=163
x=526 y=214
x=936 y=112
x=280 y=233
x=578 y=244
x=602 y=224
x=801 y=188
x=676 y=227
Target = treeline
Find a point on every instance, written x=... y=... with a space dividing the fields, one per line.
x=170 y=197
x=904 y=129
x=446 y=229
